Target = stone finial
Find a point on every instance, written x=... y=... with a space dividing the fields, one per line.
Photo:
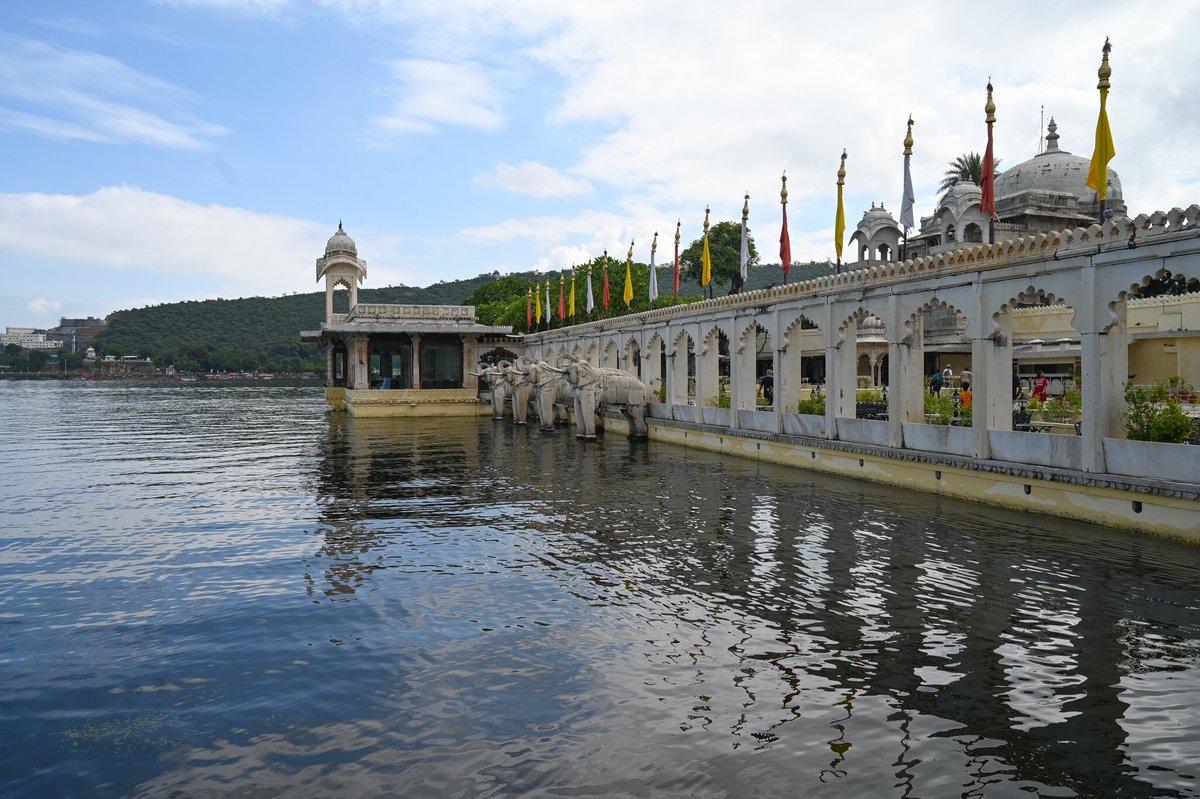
x=1052 y=136
x=783 y=191
x=908 y=139
x=1105 y=71
x=990 y=107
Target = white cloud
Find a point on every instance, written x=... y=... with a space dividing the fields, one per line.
x=74 y=94
x=535 y=180
x=125 y=227
x=41 y=306
x=433 y=93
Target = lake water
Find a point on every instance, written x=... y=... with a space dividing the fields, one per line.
x=225 y=591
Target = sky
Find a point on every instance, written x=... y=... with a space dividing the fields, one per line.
x=155 y=151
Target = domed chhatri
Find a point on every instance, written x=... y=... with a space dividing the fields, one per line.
x=1055 y=171
x=1045 y=194
x=340 y=266
x=340 y=243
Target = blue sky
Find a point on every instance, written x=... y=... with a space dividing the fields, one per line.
x=163 y=150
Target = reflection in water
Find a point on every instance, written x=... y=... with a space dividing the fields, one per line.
x=338 y=606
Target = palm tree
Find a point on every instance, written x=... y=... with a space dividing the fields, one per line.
x=968 y=166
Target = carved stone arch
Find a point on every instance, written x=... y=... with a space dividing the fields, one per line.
x=1030 y=295
x=750 y=332
x=1136 y=290
x=681 y=340
x=798 y=323
x=711 y=337
x=857 y=316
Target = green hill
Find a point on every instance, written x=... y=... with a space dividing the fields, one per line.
x=262 y=333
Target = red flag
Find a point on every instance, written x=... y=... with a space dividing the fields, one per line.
x=529 y=310
x=785 y=247
x=606 y=281
x=987 y=204
x=785 y=241
x=677 y=259
x=562 y=306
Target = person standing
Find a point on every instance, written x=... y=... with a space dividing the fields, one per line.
x=1041 y=384
x=965 y=376
x=768 y=386
x=935 y=383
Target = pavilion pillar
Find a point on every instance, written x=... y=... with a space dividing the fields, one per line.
x=359 y=374
x=416 y=359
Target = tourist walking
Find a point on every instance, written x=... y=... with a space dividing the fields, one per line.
x=768 y=386
x=935 y=383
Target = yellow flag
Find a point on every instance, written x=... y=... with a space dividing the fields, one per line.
x=628 y=294
x=538 y=307
x=705 y=257
x=839 y=222
x=1098 y=170
x=571 y=301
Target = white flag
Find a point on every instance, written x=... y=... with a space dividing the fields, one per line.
x=653 y=271
x=591 y=302
x=745 y=260
x=906 y=204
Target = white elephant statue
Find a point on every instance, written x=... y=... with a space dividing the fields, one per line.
x=595 y=387
x=521 y=390
x=552 y=393
x=493 y=378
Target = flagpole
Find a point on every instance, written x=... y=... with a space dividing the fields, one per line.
x=706 y=261
x=1104 y=150
x=987 y=203
x=908 y=199
x=678 y=222
x=839 y=222
x=652 y=284
x=744 y=256
x=785 y=241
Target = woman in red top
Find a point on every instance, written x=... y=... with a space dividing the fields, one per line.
x=1040 y=385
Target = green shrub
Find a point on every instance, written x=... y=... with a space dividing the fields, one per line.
x=939 y=410
x=814 y=405
x=1066 y=408
x=1153 y=414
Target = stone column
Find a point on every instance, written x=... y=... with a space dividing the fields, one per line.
x=416 y=359
x=470 y=350
x=843 y=388
x=829 y=336
x=1104 y=360
x=906 y=388
x=359 y=372
x=707 y=373
x=991 y=375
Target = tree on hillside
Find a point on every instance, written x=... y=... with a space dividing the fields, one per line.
x=967 y=167
x=725 y=250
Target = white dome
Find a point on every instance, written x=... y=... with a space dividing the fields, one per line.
x=340 y=243
x=1056 y=171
